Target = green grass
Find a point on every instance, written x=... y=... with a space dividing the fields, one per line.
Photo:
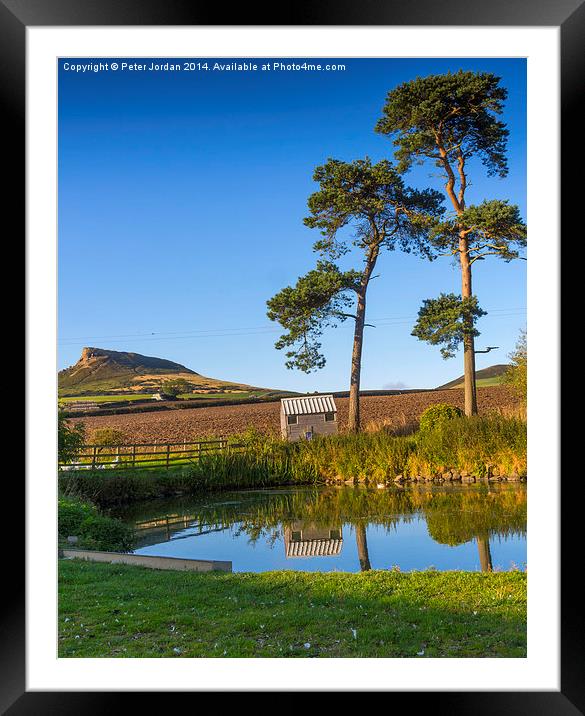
x=122 y=611
x=478 y=446
x=483 y=382
x=106 y=398
x=245 y=395
x=119 y=397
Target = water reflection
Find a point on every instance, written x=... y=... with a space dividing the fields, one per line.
x=302 y=539
x=347 y=528
x=485 y=555
x=362 y=547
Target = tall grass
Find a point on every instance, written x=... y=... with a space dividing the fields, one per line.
x=478 y=446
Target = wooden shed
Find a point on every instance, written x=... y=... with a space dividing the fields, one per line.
x=301 y=418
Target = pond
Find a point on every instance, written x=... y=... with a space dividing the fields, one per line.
x=477 y=527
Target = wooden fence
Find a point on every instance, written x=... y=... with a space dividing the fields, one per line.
x=145 y=455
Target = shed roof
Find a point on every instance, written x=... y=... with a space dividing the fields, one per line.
x=310 y=405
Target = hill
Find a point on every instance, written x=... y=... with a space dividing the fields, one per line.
x=484 y=377
x=118 y=372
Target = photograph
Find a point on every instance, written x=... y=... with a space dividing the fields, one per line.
x=292 y=357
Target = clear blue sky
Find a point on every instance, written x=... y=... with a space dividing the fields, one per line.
x=181 y=200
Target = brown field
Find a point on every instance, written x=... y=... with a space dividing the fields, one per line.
x=397 y=411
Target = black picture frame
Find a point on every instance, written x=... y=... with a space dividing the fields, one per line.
x=569 y=15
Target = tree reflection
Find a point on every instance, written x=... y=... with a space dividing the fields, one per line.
x=453 y=515
x=485 y=555
x=362 y=547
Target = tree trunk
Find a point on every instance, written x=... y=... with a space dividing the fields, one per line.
x=362 y=548
x=485 y=555
x=458 y=202
x=358 y=341
x=468 y=340
x=356 y=365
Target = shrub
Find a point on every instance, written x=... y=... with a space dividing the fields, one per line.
x=105 y=533
x=437 y=414
x=71 y=514
x=95 y=531
x=108 y=436
x=173 y=388
x=517 y=374
x=70 y=438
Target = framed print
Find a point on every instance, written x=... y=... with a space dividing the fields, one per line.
x=294 y=416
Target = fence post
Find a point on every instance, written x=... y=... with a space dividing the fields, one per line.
x=133 y=455
x=168 y=454
x=93 y=458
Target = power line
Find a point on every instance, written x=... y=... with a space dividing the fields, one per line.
x=156 y=336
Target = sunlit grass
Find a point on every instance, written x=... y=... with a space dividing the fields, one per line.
x=123 y=611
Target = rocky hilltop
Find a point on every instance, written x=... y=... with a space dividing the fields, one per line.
x=99 y=371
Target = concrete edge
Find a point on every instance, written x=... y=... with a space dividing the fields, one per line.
x=141 y=560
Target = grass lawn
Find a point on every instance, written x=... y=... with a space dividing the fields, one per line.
x=122 y=611
x=483 y=382
x=106 y=398
x=220 y=396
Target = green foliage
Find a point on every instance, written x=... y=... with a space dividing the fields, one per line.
x=269 y=464
x=458 y=110
x=70 y=438
x=82 y=519
x=492 y=228
x=109 y=487
x=475 y=445
x=318 y=300
x=448 y=119
x=372 y=200
x=105 y=533
x=472 y=444
x=175 y=387
x=436 y=414
x=517 y=374
x=108 y=436
x=446 y=320
x=72 y=512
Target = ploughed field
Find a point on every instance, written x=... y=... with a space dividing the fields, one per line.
x=392 y=410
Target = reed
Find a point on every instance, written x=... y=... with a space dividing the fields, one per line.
x=480 y=446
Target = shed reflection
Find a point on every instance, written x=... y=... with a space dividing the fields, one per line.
x=306 y=539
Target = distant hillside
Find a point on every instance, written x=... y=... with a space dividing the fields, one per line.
x=104 y=371
x=484 y=377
